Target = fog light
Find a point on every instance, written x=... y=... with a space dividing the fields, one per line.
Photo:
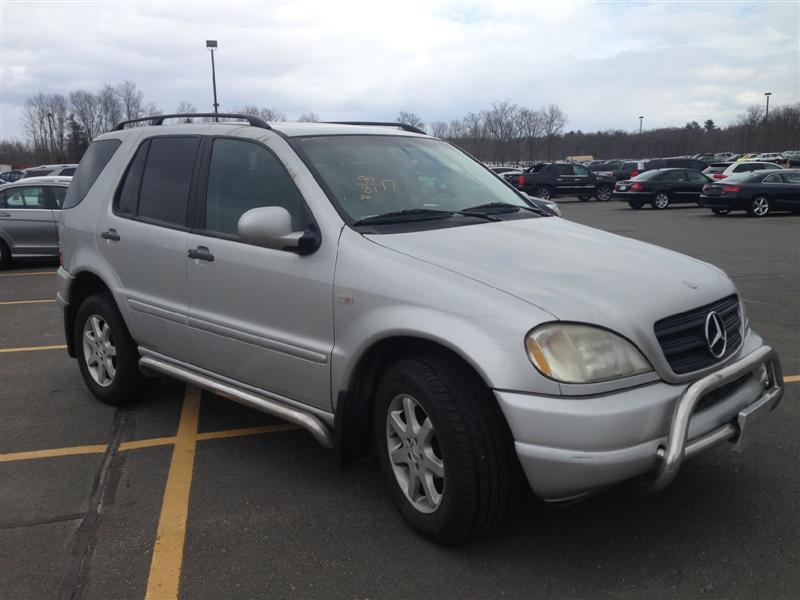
x=762 y=374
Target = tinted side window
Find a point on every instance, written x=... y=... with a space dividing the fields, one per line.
x=579 y=170
x=164 y=194
x=673 y=176
x=92 y=164
x=67 y=172
x=26 y=197
x=696 y=177
x=37 y=173
x=127 y=200
x=563 y=169
x=774 y=178
x=629 y=166
x=59 y=193
x=791 y=177
x=243 y=175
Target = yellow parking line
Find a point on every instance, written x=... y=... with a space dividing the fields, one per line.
x=148 y=443
x=27 y=273
x=167 y=560
x=32 y=349
x=791 y=379
x=72 y=451
x=233 y=433
x=10 y=302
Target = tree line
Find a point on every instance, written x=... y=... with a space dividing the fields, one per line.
x=58 y=128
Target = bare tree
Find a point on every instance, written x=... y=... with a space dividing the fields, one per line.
x=554 y=121
x=109 y=108
x=131 y=100
x=265 y=112
x=410 y=118
x=309 y=117
x=532 y=127
x=438 y=129
x=86 y=108
x=183 y=108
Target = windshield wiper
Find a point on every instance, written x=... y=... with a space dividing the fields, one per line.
x=416 y=214
x=501 y=208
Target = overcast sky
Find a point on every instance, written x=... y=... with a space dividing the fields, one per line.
x=604 y=63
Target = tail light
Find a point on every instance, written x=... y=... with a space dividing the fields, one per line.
x=719 y=176
x=634 y=173
x=521 y=181
x=636 y=187
x=731 y=188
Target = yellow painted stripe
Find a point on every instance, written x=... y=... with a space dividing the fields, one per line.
x=31 y=349
x=791 y=379
x=10 y=302
x=149 y=443
x=27 y=273
x=167 y=560
x=234 y=433
x=53 y=452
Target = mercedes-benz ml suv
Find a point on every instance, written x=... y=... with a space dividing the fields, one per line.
x=390 y=294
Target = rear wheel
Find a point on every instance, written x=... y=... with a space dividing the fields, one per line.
x=720 y=211
x=603 y=193
x=584 y=198
x=759 y=207
x=107 y=355
x=661 y=201
x=5 y=255
x=445 y=449
x=542 y=192
x=636 y=205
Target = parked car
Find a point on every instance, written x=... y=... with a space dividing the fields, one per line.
x=29 y=210
x=295 y=297
x=51 y=170
x=714 y=170
x=661 y=187
x=747 y=156
x=547 y=205
x=506 y=170
x=775 y=157
x=746 y=167
x=546 y=180
x=759 y=193
x=792 y=158
x=628 y=169
x=606 y=167
x=676 y=163
x=11 y=176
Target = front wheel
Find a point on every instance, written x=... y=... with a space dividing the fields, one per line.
x=445 y=449
x=107 y=355
x=720 y=211
x=759 y=207
x=603 y=193
x=636 y=205
x=661 y=201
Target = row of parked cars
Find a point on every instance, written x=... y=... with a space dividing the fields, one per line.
x=12 y=175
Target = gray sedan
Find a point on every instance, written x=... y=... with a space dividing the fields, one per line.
x=29 y=210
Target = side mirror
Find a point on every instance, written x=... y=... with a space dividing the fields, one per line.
x=271 y=227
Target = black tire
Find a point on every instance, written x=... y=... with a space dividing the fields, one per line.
x=584 y=198
x=5 y=255
x=542 y=192
x=760 y=206
x=481 y=470
x=661 y=201
x=604 y=193
x=127 y=381
x=636 y=205
x=720 y=212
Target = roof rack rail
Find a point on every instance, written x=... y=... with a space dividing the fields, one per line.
x=403 y=126
x=159 y=119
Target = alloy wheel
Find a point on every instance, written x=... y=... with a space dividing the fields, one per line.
x=604 y=194
x=662 y=201
x=99 y=351
x=760 y=206
x=414 y=453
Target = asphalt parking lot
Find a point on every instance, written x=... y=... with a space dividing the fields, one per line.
x=186 y=494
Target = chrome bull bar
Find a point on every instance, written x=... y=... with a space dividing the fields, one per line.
x=678 y=448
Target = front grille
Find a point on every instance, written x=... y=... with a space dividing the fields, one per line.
x=683 y=336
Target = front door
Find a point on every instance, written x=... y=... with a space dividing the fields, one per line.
x=26 y=216
x=259 y=316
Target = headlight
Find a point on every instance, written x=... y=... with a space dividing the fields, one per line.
x=573 y=353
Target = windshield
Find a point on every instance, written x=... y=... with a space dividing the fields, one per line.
x=372 y=175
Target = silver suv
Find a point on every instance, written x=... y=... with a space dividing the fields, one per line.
x=390 y=294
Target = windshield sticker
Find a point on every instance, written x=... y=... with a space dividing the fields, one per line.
x=372 y=185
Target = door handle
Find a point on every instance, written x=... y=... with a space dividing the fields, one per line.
x=111 y=234
x=200 y=253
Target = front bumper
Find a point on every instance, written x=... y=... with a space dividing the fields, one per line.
x=571 y=447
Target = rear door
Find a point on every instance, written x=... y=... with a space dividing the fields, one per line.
x=145 y=235
x=564 y=179
x=793 y=190
x=26 y=217
x=675 y=183
x=584 y=181
x=696 y=181
x=778 y=189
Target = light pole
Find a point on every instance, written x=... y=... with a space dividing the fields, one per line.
x=766 y=114
x=641 y=118
x=212 y=45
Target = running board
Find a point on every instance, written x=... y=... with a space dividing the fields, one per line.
x=308 y=421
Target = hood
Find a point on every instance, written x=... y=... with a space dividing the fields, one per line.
x=574 y=272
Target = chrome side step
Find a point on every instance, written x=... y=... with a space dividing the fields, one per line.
x=310 y=422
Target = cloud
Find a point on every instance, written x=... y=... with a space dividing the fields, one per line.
x=603 y=63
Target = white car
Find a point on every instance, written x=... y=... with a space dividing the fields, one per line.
x=745 y=167
x=771 y=156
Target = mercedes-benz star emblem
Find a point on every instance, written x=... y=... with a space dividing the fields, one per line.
x=716 y=336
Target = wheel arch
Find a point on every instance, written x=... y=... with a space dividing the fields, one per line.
x=353 y=413
x=83 y=285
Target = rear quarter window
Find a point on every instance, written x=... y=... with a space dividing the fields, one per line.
x=92 y=164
